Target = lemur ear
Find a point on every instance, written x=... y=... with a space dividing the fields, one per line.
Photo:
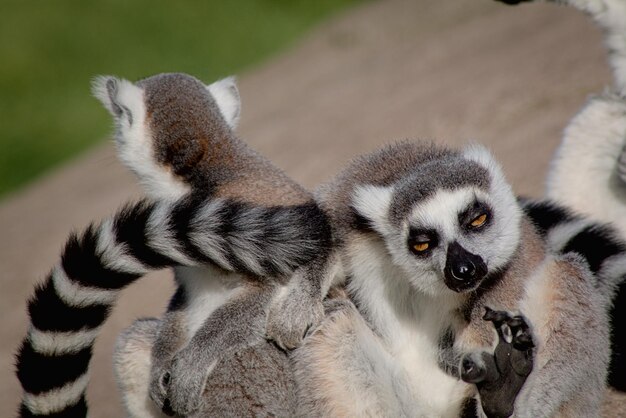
x=372 y=203
x=481 y=155
x=106 y=88
x=226 y=96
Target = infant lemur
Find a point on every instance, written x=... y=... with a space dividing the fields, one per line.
x=252 y=246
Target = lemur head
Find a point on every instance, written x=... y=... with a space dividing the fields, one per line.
x=449 y=224
x=167 y=121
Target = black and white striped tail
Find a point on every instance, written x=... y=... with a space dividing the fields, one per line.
x=69 y=308
x=605 y=252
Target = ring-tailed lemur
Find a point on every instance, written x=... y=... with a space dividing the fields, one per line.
x=585 y=173
x=243 y=219
x=429 y=239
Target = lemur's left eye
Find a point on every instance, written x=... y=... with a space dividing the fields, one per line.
x=479 y=221
x=421 y=242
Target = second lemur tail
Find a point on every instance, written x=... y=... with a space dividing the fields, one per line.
x=588 y=172
x=69 y=308
x=604 y=250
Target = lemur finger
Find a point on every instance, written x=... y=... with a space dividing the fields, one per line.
x=500 y=321
x=497 y=317
x=522 y=335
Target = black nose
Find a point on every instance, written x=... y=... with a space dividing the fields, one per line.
x=463 y=269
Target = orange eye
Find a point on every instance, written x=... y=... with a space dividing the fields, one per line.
x=421 y=246
x=479 y=221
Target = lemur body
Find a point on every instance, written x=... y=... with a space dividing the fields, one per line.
x=192 y=160
x=238 y=226
x=403 y=218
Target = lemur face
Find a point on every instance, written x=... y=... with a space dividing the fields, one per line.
x=447 y=232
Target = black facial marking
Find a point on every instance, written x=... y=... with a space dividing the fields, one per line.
x=473 y=211
x=463 y=269
x=420 y=236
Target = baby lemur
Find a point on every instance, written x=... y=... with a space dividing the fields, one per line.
x=238 y=227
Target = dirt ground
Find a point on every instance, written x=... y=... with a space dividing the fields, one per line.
x=449 y=70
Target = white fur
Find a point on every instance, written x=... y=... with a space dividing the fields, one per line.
x=132 y=363
x=583 y=172
x=114 y=254
x=134 y=140
x=74 y=294
x=439 y=212
x=409 y=324
x=56 y=399
x=561 y=234
x=226 y=96
x=208 y=288
x=207 y=241
x=159 y=235
x=60 y=343
x=500 y=195
x=405 y=298
x=613 y=268
x=373 y=203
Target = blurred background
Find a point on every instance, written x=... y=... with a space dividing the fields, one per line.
x=320 y=83
x=51 y=50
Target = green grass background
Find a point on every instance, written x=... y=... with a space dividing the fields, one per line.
x=50 y=50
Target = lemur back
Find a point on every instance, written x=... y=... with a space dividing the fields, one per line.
x=196 y=169
x=240 y=216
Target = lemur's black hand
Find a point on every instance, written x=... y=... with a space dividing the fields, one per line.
x=499 y=377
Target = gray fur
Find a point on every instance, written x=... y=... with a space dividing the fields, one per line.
x=441 y=174
x=530 y=273
x=189 y=136
x=254 y=381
